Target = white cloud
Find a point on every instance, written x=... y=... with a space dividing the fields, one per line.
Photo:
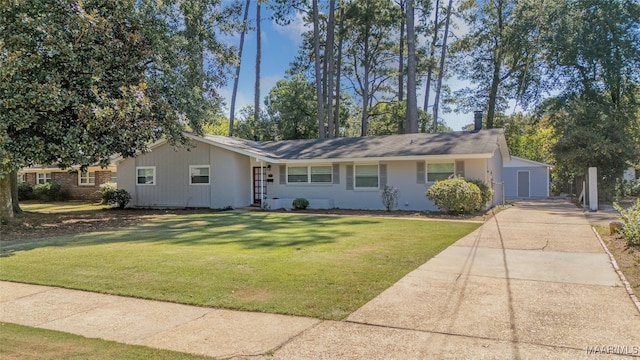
x=268 y=82
x=241 y=100
x=294 y=30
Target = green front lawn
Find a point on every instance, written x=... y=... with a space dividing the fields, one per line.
x=319 y=266
x=22 y=342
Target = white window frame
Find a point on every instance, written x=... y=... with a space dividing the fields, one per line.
x=86 y=175
x=330 y=173
x=426 y=169
x=113 y=177
x=46 y=177
x=298 y=182
x=22 y=178
x=355 y=177
x=208 y=167
x=309 y=176
x=153 y=168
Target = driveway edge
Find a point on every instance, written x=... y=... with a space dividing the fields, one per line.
x=627 y=286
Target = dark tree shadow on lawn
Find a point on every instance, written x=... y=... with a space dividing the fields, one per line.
x=249 y=230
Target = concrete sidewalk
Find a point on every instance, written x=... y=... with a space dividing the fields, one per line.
x=533 y=282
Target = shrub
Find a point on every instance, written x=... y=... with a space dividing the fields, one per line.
x=300 y=203
x=486 y=192
x=120 y=199
x=630 y=223
x=455 y=196
x=107 y=192
x=25 y=191
x=390 y=196
x=48 y=192
x=113 y=197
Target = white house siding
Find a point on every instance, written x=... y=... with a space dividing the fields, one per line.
x=228 y=178
x=231 y=178
x=538 y=181
x=400 y=174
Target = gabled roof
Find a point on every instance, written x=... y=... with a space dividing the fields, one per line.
x=449 y=145
x=521 y=162
x=476 y=144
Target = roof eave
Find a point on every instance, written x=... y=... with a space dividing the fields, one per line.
x=391 y=158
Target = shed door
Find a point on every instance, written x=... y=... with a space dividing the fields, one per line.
x=523 y=184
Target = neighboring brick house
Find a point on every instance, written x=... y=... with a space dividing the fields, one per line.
x=76 y=184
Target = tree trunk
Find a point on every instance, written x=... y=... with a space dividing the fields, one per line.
x=13 y=177
x=412 y=102
x=316 y=52
x=236 y=79
x=6 y=205
x=441 y=71
x=330 y=63
x=256 y=95
x=365 y=88
x=401 y=122
x=497 y=64
x=336 y=127
x=432 y=53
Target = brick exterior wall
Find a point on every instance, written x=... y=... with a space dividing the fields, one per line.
x=69 y=183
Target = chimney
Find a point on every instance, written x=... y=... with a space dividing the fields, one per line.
x=477 y=120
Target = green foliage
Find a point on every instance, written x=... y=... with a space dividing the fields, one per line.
x=246 y=126
x=455 y=196
x=25 y=191
x=486 y=192
x=390 y=196
x=631 y=223
x=113 y=196
x=628 y=188
x=291 y=105
x=300 y=203
x=51 y=191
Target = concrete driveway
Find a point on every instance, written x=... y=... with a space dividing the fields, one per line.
x=532 y=283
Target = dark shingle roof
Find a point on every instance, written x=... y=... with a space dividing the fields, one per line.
x=406 y=145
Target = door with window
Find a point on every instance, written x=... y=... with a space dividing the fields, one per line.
x=258 y=182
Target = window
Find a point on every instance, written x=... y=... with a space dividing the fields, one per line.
x=297 y=174
x=310 y=174
x=366 y=176
x=321 y=174
x=22 y=178
x=114 y=177
x=146 y=175
x=437 y=172
x=87 y=178
x=43 y=178
x=199 y=175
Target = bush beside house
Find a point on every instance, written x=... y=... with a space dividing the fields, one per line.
x=455 y=196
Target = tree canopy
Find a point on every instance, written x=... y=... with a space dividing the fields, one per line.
x=83 y=80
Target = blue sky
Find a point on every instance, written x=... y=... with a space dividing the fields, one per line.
x=279 y=47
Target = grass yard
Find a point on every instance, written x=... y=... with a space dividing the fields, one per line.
x=22 y=342
x=320 y=266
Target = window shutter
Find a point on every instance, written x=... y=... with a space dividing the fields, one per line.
x=349 y=177
x=460 y=168
x=336 y=173
x=420 y=174
x=283 y=174
x=383 y=175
